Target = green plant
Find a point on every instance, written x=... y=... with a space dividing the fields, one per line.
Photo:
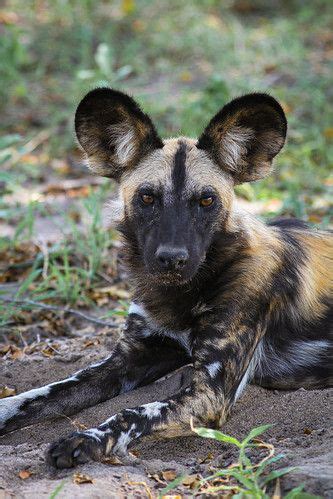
x=244 y=478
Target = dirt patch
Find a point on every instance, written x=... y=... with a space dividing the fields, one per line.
x=301 y=431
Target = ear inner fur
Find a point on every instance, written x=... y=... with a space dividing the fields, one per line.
x=245 y=136
x=113 y=131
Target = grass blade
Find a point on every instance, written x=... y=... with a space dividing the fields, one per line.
x=172 y=485
x=276 y=474
x=255 y=432
x=216 y=435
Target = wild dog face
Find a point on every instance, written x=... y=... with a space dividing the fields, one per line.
x=177 y=194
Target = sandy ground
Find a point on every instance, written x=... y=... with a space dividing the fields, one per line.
x=301 y=431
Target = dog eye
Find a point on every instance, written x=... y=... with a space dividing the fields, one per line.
x=147 y=198
x=206 y=201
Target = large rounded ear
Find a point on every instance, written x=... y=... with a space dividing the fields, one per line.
x=245 y=135
x=113 y=131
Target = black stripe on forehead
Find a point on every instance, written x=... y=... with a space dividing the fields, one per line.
x=179 y=171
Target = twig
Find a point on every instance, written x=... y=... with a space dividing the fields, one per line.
x=148 y=491
x=60 y=309
x=105 y=277
x=43 y=247
x=28 y=147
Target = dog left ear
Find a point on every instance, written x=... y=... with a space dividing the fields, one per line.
x=113 y=131
x=245 y=136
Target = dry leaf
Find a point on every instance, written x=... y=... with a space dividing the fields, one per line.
x=177 y=496
x=80 y=478
x=148 y=491
x=328 y=133
x=128 y=6
x=5 y=349
x=48 y=352
x=169 y=475
x=156 y=478
x=5 y=391
x=112 y=460
x=191 y=481
x=91 y=343
x=16 y=352
x=79 y=426
x=277 y=491
x=209 y=457
x=186 y=76
x=24 y=474
x=113 y=291
x=7 y=17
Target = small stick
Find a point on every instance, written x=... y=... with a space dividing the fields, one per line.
x=28 y=147
x=148 y=491
x=95 y=320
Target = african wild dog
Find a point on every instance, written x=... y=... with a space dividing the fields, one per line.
x=213 y=286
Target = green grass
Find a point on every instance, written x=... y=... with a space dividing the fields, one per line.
x=244 y=478
x=73 y=265
x=182 y=63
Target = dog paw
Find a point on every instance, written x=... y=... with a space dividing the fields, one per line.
x=75 y=449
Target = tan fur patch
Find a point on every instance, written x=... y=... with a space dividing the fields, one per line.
x=156 y=170
x=317 y=276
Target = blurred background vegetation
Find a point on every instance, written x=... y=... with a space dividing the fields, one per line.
x=182 y=61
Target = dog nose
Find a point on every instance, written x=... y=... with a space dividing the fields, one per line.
x=171 y=258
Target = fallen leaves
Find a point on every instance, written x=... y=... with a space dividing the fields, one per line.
x=17 y=260
x=91 y=342
x=72 y=188
x=328 y=133
x=112 y=460
x=80 y=478
x=11 y=351
x=191 y=481
x=169 y=475
x=5 y=391
x=143 y=484
x=112 y=291
x=24 y=474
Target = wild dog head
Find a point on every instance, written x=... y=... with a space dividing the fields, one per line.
x=177 y=194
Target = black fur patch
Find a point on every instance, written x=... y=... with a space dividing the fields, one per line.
x=179 y=171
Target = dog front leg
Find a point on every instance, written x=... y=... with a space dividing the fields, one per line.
x=139 y=358
x=221 y=365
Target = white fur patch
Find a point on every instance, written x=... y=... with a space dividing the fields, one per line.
x=249 y=373
x=114 y=210
x=234 y=144
x=10 y=407
x=96 y=364
x=110 y=420
x=94 y=433
x=153 y=410
x=182 y=337
x=137 y=309
x=124 y=439
x=213 y=368
x=300 y=354
x=122 y=136
x=246 y=378
x=127 y=386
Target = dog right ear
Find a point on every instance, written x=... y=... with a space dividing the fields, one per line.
x=113 y=131
x=245 y=135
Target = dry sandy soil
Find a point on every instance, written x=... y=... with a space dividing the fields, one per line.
x=301 y=431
